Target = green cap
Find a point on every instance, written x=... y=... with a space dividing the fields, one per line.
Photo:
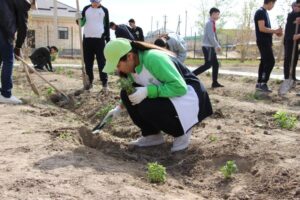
x=113 y=51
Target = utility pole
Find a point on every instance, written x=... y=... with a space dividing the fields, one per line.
x=55 y=23
x=165 y=23
x=178 y=26
x=151 y=25
x=185 y=24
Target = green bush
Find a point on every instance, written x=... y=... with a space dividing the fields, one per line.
x=283 y=120
x=156 y=173
x=228 y=169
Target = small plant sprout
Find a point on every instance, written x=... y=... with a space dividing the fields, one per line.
x=213 y=138
x=64 y=135
x=104 y=110
x=50 y=90
x=285 y=121
x=156 y=173
x=126 y=84
x=229 y=169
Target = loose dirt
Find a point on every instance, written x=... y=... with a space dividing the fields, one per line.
x=47 y=152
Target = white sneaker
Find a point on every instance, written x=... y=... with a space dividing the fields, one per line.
x=181 y=142
x=150 y=140
x=10 y=100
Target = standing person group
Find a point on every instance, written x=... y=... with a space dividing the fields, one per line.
x=95 y=20
x=289 y=39
x=211 y=45
x=13 y=18
x=264 y=34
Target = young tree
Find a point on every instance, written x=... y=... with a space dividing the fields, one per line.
x=244 y=31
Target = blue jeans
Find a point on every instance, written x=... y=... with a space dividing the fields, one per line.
x=7 y=54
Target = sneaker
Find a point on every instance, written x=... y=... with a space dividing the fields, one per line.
x=10 y=100
x=89 y=86
x=257 y=86
x=264 y=88
x=216 y=85
x=181 y=142
x=148 y=141
x=105 y=89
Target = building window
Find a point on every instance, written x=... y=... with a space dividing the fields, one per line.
x=63 y=33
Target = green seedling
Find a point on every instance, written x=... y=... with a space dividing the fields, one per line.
x=126 y=84
x=64 y=135
x=253 y=96
x=50 y=91
x=70 y=73
x=59 y=70
x=103 y=111
x=229 y=169
x=213 y=138
x=285 y=121
x=208 y=74
x=156 y=173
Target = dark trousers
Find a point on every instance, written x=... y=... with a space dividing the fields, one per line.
x=288 y=50
x=211 y=59
x=154 y=115
x=7 y=54
x=94 y=47
x=267 y=62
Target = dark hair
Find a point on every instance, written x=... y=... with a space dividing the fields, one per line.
x=298 y=1
x=160 y=42
x=131 y=21
x=55 y=48
x=268 y=1
x=214 y=10
x=111 y=24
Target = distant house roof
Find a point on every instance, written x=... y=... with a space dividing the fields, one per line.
x=46 y=9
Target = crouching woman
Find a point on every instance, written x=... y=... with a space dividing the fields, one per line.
x=168 y=98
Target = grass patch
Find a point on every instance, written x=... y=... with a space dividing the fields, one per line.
x=284 y=120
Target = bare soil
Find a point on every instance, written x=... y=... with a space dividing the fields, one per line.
x=47 y=152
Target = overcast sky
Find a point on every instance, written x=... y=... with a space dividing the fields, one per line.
x=143 y=10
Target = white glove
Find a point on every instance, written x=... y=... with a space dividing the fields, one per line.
x=113 y=113
x=78 y=16
x=139 y=95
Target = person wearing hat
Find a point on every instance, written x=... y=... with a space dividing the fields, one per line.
x=168 y=97
x=13 y=18
x=95 y=20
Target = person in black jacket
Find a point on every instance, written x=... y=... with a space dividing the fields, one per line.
x=290 y=29
x=137 y=31
x=43 y=56
x=13 y=18
x=122 y=31
x=95 y=19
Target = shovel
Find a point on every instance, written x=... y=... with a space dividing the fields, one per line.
x=287 y=84
x=31 y=83
x=99 y=126
x=66 y=98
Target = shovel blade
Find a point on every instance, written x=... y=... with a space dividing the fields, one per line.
x=285 y=86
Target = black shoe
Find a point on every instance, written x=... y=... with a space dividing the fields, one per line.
x=216 y=85
x=263 y=87
x=89 y=86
